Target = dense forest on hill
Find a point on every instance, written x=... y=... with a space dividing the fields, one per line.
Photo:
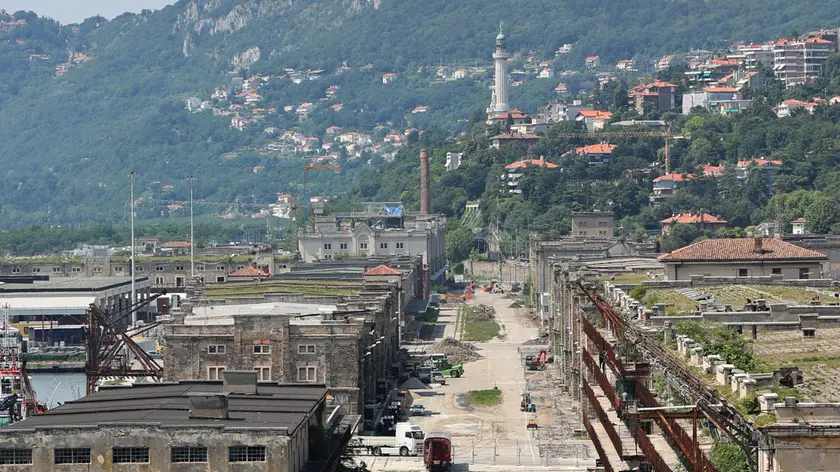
x=70 y=141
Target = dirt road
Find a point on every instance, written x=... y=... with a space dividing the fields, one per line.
x=497 y=436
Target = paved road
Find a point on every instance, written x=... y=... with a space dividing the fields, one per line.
x=493 y=438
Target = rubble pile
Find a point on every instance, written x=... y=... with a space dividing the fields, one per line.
x=515 y=305
x=542 y=340
x=482 y=313
x=456 y=351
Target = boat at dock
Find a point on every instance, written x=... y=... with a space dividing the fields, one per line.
x=18 y=400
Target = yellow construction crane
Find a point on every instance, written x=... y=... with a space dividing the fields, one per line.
x=306 y=169
x=633 y=134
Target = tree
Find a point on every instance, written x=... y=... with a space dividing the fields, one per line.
x=681 y=235
x=459 y=244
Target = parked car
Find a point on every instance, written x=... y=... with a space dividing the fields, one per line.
x=155 y=354
x=417 y=410
x=438 y=377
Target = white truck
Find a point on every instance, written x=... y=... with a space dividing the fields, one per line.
x=408 y=441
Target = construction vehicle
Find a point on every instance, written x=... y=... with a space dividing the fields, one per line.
x=538 y=362
x=448 y=368
x=532 y=424
x=526 y=400
x=437 y=452
x=407 y=441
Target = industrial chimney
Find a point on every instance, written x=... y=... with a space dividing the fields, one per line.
x=425 y=183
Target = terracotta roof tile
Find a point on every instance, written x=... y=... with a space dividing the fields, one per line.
x=531 y=162
x=742 y=249
x=690 y=218
x=382 y=270
x=602 y=148
x=674 y=177
x=798 y=220
x=249 y=272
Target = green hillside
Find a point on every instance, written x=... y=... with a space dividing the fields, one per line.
x=69 y=141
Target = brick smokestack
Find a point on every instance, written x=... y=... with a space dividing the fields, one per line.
x=425 y=183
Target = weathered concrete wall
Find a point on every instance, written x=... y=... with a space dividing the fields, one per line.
x=803 y=454
x=505 y=271
x=101 y=441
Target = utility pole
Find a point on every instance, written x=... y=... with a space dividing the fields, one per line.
x=133 y=263
x=192 y=231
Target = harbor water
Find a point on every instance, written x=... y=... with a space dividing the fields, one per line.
x=55 y=388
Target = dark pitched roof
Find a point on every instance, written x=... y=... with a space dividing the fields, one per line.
x=742 y=249
x=276 y=406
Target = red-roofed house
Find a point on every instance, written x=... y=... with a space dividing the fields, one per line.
x=800 y=62
x=592 y=62
x=787 y=107
x=594 y=119
x=516 y=115
x=514 y=171
x=712 y=171
x=743 y=257
x=742 y=170
x=659 y=95
x=666 y=186
x=249 y=272
x=703 y=221
x=597 y=154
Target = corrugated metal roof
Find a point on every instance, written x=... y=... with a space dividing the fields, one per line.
x=48 y=303
x=275 y=406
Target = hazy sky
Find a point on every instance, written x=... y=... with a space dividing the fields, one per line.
x=74 y=11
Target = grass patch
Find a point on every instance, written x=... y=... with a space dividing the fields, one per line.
x=491 y=397
x=675 y=304
x=476 y=327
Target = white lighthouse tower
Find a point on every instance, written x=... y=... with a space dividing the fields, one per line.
x=499 y=102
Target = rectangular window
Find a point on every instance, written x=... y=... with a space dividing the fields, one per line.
x=15 y=456
x=240 y=267
x=804 y=273
x=263 y=373
x=221 y=268
x=307 y=374
x=743 y=272
x=158 y=268
x=220 y=279
x=136 y=269
x=130 y=455
x=36 y=269
x=72 y=456
x=217 y=349
x=159 y=281
x=97 y=270
x=399 y=245
x=383 y=245
x=327 y=246
x=262 y=348
x=246 y=454
x=362 y=245
x=75 y=269
x=189 y=454
x=306 y=349
x=342 y=246
x=215 y=372
x=118 y=269
x=56 y=270
x=179 y=268
x=16 y=270
x=777 y=271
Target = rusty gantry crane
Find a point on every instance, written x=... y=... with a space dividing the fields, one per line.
x=110 y=349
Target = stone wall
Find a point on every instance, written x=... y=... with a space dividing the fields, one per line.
x=102 y=440
x=505 y=271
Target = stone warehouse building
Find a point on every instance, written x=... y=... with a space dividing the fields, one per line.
x=235 y=424
x=344 y=334
x=380 y=230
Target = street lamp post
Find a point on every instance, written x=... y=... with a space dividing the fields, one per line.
x=133 y=265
